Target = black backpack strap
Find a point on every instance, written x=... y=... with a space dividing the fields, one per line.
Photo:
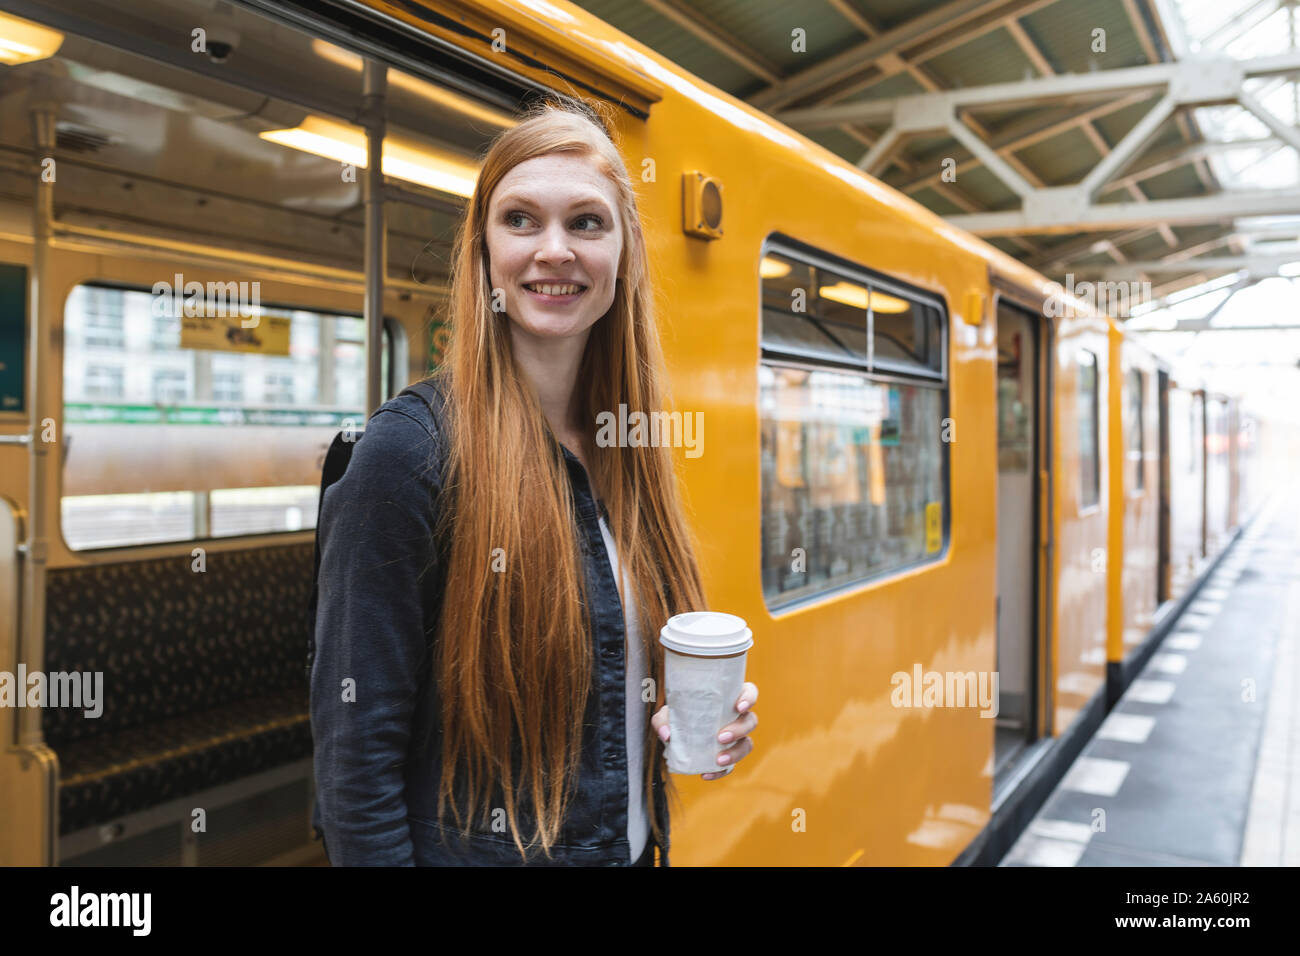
x=336 y=463
x=426 y=389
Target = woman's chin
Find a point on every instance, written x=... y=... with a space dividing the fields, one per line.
x=551 y=327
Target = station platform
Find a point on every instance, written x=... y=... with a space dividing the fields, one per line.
x=1198 y=764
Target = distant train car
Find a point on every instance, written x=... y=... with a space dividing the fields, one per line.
x=925 y=464
x=1177 y=467
x=1218 y=472
x=1136 y=474
x=1187 y=476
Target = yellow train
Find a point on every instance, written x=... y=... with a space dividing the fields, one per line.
x=927 y=469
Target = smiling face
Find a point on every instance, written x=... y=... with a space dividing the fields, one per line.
x=554 y=241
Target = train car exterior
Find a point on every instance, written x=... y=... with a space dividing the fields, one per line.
x=933 y=489
x=1218 y=473
x=1135 y=480
x=1187 y=483
x=1083 y=503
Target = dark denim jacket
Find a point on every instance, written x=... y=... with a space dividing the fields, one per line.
x=381 y=584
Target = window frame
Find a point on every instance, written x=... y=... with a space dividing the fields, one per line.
x=888 y=374
x=810 y=255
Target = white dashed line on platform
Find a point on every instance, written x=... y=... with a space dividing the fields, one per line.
x=1169 y=663
x=1150 y=691
x=1129 y=728
x=1096 y=775
x=1183 y=642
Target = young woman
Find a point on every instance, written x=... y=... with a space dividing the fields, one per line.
x=487 y=680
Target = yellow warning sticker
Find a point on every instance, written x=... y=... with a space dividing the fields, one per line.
x=933 y=527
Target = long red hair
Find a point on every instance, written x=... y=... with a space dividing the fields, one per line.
x=514 y=656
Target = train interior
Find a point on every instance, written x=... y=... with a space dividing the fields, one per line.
x=235 y=158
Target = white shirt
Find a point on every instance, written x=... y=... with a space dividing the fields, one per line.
x=638 y=821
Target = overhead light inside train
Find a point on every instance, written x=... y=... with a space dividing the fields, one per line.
x=412 y=84
x=847 y=293
x=22 y=41
x=347 y=144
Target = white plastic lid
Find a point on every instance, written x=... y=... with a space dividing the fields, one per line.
x=706 y=634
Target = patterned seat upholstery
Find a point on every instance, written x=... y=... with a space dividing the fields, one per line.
x=203 y=676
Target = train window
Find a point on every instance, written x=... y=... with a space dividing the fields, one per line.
x=1136 y=443
x=809 y=314
x=905 y=335
x=184 y=162
x=176 y=435
x=1015 y=403
x=854 y=460
x=1089 y=457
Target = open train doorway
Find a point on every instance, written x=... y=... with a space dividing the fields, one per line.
x=1021 y=483
x=1164 y=562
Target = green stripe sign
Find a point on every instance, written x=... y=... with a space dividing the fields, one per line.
x=101 y=414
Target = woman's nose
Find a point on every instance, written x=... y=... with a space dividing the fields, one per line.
x=555 y=246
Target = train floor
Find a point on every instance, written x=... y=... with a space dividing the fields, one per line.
x=1198 y=764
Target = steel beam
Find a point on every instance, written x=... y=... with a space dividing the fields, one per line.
x=1065 y=209
x=1257 y=264
x=827 y=71
x=1193 y=81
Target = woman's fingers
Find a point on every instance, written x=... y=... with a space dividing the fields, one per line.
x=660 y=722
x=738 y=728
x=748 y=697
x=730 y=757
x=738 y=731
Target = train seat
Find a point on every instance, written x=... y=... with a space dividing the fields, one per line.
x=202 y=676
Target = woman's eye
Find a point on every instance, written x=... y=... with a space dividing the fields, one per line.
x=511 y=217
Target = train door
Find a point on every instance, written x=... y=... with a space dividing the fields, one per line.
x=1163 y=569
x=1201 y=438
x=1020 y=396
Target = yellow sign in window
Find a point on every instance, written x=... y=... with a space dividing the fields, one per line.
x=268 y=335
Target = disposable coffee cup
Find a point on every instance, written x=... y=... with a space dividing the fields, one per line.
x=704 y=667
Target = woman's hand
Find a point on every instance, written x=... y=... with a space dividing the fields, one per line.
x=737 y=731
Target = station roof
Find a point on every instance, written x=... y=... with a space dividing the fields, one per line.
x=1151 y=140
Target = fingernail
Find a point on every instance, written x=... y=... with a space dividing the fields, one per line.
x=724 y=737
x=742 y=706
x=724 y=758
x=663 y=734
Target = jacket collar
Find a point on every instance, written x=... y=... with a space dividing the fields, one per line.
x=587 y=507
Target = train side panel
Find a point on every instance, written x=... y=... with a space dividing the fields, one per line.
x=878 y=783
x=1187 y=486
x=1218 y=475
x=1082 y=531
x=1134 y=469
x=875 y=750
